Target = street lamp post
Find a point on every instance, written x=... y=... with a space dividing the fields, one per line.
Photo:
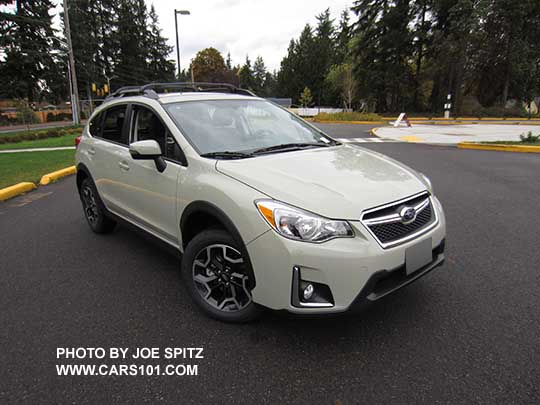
x=176 y=12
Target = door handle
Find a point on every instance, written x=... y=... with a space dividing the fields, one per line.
x=91 y=151
x=123 y=165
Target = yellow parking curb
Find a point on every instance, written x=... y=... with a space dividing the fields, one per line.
x=15 y=190
x=411 y=138
x=373 y=131
x=50 y=177
x=500 y=147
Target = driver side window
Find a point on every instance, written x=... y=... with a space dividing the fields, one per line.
x=147 y=125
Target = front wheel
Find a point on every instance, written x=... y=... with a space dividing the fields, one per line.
x=94 y=211
x=217 y=277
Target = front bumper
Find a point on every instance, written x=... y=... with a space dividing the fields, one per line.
x=356 y=270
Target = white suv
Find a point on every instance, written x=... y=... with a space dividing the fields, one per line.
x=267 y=210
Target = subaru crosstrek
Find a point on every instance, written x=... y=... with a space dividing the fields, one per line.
x=266 y=209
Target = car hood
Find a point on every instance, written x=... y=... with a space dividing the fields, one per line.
x=337 y=182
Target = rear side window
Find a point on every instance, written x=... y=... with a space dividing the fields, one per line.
x=95 y=125
x=114 y=123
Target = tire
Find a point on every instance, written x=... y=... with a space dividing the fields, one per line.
x=93 y=208
x=216 y=276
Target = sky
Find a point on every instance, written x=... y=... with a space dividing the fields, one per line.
x=241 y=27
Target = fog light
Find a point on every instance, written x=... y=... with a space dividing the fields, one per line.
x=308 y=291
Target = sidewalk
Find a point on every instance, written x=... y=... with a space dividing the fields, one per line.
x=454 y=134
x=37 y=149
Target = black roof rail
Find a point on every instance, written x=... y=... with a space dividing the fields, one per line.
x=152 y=89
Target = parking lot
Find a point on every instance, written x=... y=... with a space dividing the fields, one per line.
x=467 y=332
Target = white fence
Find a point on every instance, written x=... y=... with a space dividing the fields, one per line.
x=311 y=112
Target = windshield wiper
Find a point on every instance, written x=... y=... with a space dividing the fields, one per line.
x=227 y=155
x=288 y=146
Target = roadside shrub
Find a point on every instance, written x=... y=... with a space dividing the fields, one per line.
x=530 y=138
x=501 y=112
x=51 y=117
x=25 y=115
x=43 y=134
x=348 y=116
x=6 y=120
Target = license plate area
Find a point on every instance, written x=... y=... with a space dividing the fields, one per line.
x=418 y=256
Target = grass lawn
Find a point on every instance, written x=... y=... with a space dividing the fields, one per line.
x=30 y=166
x=66 y=140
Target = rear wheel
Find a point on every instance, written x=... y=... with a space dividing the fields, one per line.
x=217 y=277
x=94 y=210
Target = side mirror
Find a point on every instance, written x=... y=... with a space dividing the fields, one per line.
x=148 y=150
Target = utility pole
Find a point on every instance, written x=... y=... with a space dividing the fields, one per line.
x=75 y=94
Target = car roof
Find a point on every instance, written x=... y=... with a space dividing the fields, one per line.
x=176 y=97
x=167 y=98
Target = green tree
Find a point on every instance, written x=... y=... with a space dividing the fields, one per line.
x=270 y=85
x=343 y=38
x=381 y=52
x=340 y=81
x=28 y=69
x=245 y=76
x=299 y=67
x=160 y=67
x=259 y=75
x=322 y=56
x=306 y=98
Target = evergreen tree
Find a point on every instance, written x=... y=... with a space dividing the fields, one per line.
x=270 y=85
x=161 y=68
x=28 y=68
x=323 y=55
x=381 y=50
x=245 y=76
x=299 y=69
x=133 y=46
x=259 y=75
x=343 y=38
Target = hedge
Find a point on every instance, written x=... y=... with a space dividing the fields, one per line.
x=33 y=135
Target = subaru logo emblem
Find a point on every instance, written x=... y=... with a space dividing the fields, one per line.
x=407 y=214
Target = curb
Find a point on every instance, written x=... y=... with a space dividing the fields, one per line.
x=373 y=131
x=351 y=122
x=438 y=122
x=500 y=147
x=15 y=190
x=25 y=187
x=50 y=177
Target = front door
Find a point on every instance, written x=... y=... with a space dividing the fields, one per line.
x=152 y=196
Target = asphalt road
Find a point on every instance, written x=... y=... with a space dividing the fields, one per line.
x=468 y=332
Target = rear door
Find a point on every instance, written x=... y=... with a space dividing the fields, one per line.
x=108 y=151
x=151 y=195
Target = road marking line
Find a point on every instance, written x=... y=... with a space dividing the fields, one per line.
x=365 y=140
x=37 y=149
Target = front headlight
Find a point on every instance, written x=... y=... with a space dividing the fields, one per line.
x=301 y=225
x=427 y=181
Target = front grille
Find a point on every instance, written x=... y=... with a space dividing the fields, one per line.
x=389 y=228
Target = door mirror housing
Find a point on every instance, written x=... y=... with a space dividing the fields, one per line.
x=148 y=150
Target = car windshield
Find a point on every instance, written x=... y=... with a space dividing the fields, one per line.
x=214 y=126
